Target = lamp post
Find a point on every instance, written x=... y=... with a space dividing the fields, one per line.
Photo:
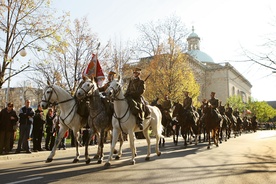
x=22 y=53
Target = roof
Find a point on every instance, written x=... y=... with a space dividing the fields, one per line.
x=200 y=56
x=193 y=35
x=272 y=104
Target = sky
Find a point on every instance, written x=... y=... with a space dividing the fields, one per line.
x=225 y=27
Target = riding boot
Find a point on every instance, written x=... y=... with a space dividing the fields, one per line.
x=139 y=121
x=147 y=111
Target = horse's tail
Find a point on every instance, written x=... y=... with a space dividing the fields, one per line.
x=160 y=127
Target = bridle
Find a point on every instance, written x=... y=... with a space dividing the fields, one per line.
x=89 y=91
x=48 y=100
x=115 y=93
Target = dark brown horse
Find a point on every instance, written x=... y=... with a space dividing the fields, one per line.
x=167 y=122
x=212 y=123
x=225 y=129
x=188 y=123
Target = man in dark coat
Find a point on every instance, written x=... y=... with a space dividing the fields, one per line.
x=26 y=114
x=134 y=97
x=214 y=104
x=8 y=119
x=187 y=103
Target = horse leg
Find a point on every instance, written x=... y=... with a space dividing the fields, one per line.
x=119 y=152
x=101 y=146
x=209 y=139
x=115 y=136
x=132 y=146
x=146 y=135
x=61 y=133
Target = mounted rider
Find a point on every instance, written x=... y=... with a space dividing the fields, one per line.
x=187 y=104
x=166 y=106
x=214 y=102
x=107 y=103
x=135 y=99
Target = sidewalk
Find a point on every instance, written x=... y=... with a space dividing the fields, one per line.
x=12 y=155
x=92 y=149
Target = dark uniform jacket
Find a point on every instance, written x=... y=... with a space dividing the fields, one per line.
x=6 y=124
x=187 y=103
x=214 y=102
x=167 y=105
x=135 y=89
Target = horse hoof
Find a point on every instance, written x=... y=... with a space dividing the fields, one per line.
x=208 y=147
x=49 y=160
x=117 y=157
x=100 y=161
x=96 y=157
x=158 y=154
x=132 y=162
x=147 y=158
x=107 y=165
x=115 y=151
x=76 y=160
x=88 y=161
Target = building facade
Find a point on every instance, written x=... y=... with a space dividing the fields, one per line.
x=221 y=78
x=18 y=95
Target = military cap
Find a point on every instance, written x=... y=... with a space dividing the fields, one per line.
x=111 y=73
x=137 y=70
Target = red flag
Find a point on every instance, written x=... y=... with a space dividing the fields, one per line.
x=93 y=69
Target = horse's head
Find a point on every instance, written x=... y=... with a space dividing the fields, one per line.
x=113 y=89
x=206 y=107
x=49 y=96
x=176 y=109
x=86 y=88
x=221 y=109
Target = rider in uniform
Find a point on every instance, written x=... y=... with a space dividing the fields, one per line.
x=187 y=103
x=134 y=97
x=110 y=78
x=108 y=105
x=166 y=106
x=214 y=104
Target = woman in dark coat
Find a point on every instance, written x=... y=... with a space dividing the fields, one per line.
x=50 y=138
x=8 y=119
x=38 y=129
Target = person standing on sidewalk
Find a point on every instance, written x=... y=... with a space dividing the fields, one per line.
x=50 y=138
x=8 y=119
x=38 y=129
x=26 y=114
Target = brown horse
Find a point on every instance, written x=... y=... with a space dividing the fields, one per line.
x=212 y=123
x=225 y=130
x=167 y=122
x=188 y=122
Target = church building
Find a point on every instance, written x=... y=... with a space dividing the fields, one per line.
x=221 y=78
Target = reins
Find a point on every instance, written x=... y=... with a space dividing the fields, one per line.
x=115 y=98
x=57 y=103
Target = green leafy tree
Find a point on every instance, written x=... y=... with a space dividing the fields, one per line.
x=262 y=110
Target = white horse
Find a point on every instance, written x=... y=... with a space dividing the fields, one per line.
x=123 y=121
x=99 y=120
x=69 y=118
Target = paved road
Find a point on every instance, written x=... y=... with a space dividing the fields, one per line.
x=250 y=158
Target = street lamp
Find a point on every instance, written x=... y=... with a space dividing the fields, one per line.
x=22 y=53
